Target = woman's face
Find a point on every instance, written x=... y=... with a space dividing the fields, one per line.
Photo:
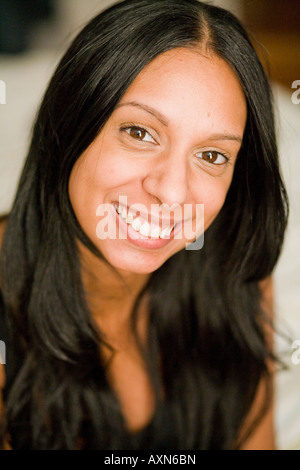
x=169 y=150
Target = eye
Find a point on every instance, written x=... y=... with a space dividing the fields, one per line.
x=212 y=156
x=138 y=133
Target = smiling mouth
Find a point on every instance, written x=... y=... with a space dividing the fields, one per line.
x=141 y=226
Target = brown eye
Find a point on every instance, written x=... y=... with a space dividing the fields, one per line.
x=139 y=133
x=211 y=156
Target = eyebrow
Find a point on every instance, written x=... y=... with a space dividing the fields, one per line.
x=165 y=121
x=148 y=109
x=226 y=137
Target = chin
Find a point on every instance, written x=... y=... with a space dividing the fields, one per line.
x=135 y=266
x=136 y=263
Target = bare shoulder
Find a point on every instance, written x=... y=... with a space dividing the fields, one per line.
x=2 y=381
x=264 y=436
x=266 y=287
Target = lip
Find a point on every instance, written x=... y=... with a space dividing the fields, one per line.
x=140 y=240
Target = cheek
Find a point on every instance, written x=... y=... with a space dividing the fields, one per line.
x=92 y=176
x=108 y=167
x=85 y=193
x=80 y=195
x=97 y=177
x=213 y=196
x=111 y=172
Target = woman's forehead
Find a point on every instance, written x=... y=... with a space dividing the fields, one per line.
x=183 y=84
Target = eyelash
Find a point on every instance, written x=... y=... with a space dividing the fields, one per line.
x=137 y=128
x=215 y=152
x=143 y=129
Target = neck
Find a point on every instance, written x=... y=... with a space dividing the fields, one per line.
x=110 y=294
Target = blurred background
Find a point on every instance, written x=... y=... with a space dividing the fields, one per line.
x=33 y=36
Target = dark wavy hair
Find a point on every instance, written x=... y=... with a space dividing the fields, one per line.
x=206 y=343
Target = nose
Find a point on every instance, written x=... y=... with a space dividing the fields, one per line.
x=167 y=179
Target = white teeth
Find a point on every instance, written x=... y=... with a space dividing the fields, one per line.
x=143 y=228
x=166 y=232
x=155 y=232
x=136 y=224
x=129 y=218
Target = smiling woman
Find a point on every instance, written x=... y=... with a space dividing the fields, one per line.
x=157 y=109
x=173 y=139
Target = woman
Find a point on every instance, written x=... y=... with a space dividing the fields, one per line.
x=121 y=337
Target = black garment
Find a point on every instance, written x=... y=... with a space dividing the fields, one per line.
x=140 y=440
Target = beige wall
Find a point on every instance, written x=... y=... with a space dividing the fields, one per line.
x=74 y=13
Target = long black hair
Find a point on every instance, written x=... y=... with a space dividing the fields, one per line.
x=206 y=343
